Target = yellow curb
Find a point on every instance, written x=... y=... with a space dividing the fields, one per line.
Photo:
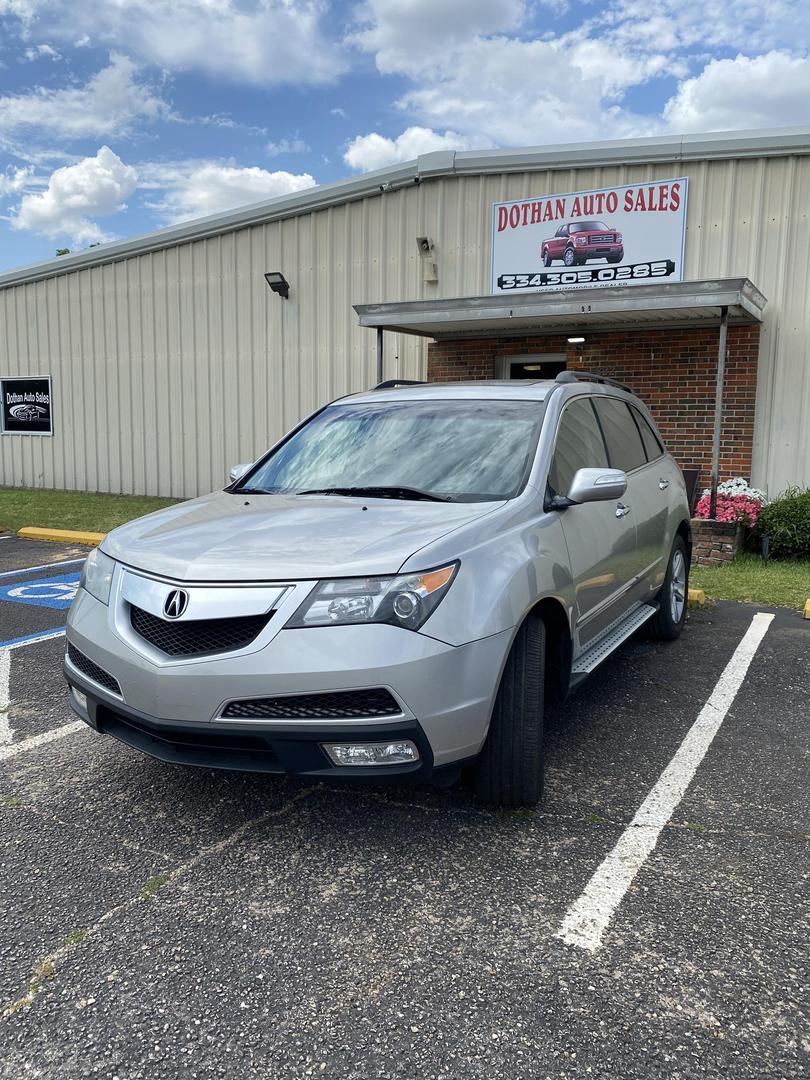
x=63 y=536
x=697 y=597
x=807 y=609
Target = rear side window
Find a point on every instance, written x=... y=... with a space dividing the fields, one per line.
x=625 y=448
x=652 y=444
x=579 y=445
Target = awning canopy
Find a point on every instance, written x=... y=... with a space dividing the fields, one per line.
x=635 y=307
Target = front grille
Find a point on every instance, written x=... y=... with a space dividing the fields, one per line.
x=92 y=671
x=603 y=238
x=338 y=705
x=197 y=637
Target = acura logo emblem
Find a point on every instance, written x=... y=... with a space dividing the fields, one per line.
x=176 y=604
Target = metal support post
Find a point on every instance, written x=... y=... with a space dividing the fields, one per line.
x=718 y=411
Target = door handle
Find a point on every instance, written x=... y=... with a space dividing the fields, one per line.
x=622 y=510
x=663 y=484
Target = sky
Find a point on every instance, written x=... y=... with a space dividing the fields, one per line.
x=119 y=117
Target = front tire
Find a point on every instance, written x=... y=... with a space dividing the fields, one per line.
x=668 y=623
x=509 y=770
x=570 y=257
x=546 y=259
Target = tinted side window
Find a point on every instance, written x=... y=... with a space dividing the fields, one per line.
x=652 y=445
x=579 y=445
x=624 y=444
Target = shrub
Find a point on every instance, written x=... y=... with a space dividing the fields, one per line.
x=786 y=523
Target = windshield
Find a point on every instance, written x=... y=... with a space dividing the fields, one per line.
x=588 y=226
x=470 y=451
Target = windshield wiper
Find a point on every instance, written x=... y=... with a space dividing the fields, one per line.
x=383 y=492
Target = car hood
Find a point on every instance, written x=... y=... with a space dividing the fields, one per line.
x=233 y=537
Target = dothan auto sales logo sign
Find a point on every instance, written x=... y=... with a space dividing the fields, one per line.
x=611 y=236
x=25 y=406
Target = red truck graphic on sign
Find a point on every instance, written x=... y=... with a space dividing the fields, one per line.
x=580 y=241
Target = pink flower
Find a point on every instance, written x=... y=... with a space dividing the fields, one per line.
x=731 y=508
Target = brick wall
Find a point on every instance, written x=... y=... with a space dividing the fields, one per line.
x=672 y=371
x=715 y=542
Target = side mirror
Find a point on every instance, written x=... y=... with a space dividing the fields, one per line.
x=236 y=472
x=596 y=485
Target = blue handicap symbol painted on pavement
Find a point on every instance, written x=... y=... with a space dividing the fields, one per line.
x=55 y=592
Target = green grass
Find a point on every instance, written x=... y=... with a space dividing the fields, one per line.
x=595 y=819
x=785 y=583
x=153 y=885
x=82 y=510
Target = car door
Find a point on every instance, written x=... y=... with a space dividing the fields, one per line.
x=600 y=538
x=658 y=490
x=644 y=501
x=557 y=245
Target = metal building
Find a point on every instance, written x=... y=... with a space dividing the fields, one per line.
x=170 y=359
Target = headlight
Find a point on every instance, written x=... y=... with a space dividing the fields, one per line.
x=406 y=600
x=97 y=575
x=582 y=239
x=619 y=238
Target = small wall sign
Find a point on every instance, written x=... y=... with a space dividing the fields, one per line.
x=26 y=406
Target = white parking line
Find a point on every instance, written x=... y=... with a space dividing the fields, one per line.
x=24 y=745
x=5 y=675
x=6 y=731
x=587 y=918
x=44 y=566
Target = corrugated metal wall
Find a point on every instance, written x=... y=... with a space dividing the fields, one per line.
x=172 y=365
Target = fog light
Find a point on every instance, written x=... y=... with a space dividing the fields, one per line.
x=79 y=698
x=376 y=753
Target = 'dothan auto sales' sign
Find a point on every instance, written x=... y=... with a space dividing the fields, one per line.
x=611 y=236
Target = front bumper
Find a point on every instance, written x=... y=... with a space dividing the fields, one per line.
x=174 y=710
x=601 y=251
x=259 y=749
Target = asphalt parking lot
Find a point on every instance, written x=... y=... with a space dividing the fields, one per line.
x=166 y=922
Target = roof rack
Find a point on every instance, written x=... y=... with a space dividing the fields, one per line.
x=389 y=384
x=569 y=376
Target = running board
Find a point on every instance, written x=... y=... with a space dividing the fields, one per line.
x=611 y=638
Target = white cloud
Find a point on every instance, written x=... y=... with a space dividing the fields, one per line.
x=261 y=41
x=374 y=151
x=492 y=88
x=761 y=91
x=287 y=146
x=194 y=189
x=109 y=104
x=468 y=74
x=94 y=187
x=414 y=35
x=24 y=10
x=710 y=24
x=481 y=68
x=13 y=181
x=35 y=52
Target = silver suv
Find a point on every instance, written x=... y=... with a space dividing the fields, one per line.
x=393 y=590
